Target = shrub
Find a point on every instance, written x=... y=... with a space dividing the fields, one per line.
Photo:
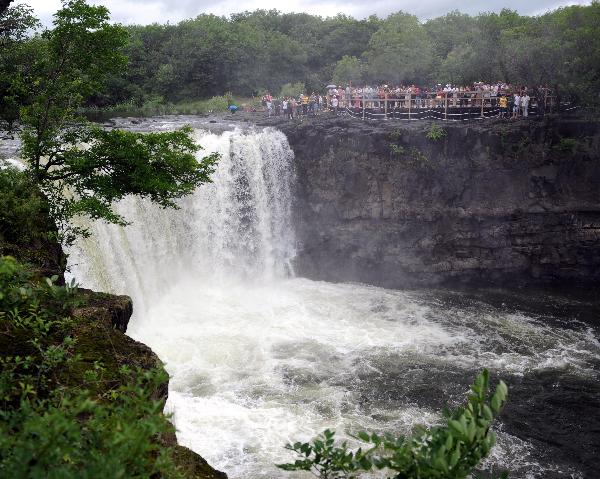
x=449 y=451
x=292 y=89
x=48 y=429
x=23 y=209
x=567 y=145
x=396 y=134
x=435 y=132
x=396 y=149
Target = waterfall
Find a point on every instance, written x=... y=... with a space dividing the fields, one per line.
x=258 y=358
x=235 y=228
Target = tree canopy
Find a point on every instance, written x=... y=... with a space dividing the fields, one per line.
x=83 y=168
x=250 y=52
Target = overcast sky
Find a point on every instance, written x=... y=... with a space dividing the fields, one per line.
x=149 y=11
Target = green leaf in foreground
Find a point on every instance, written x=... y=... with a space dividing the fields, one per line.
x=449 y=451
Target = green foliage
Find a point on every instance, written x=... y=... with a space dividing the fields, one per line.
x=396 y=134
x=21 y=208
x=102 y=166
x=83 y=169
x=267 y=49
x=255 y=51
x=567 y=145
x=48 y=429
x=348 y=70
x=418 y=158
x=292 y=89
x=400 y=51
x=449 y=451
x=21 y=295
x=76 y=436
x=155 y=105
x=435 y=132
x=15 y=23
x=396 y=149
x=330 y=461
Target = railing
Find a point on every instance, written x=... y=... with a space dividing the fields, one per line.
x=451 y=106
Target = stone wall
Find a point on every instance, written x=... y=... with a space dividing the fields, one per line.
x=502 y=202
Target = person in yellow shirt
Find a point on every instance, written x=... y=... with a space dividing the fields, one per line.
x=503 y=103
x=305 y=105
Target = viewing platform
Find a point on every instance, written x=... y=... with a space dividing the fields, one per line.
x=452 y=106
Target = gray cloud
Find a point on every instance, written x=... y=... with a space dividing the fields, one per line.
x=148 y=11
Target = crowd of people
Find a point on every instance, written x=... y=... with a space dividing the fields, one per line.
x=294 y=106
x=508 y=101
x=511 y=101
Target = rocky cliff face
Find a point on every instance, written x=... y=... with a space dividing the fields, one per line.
x=500 y=202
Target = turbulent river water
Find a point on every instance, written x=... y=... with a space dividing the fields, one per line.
x=259 y=357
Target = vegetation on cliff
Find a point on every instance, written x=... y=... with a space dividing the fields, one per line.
x=78 y=398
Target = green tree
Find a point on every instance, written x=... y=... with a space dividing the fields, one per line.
x=83 y=168
x=400 y=51
x=450 y=31
x=348 y=69
x=15 y=52
x=292 y=89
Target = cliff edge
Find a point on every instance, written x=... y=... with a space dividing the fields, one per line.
x=412 y=204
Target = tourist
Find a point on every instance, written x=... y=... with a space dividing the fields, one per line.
x=516 y=105
x=503 y=106
x=305 y=101
x=334 y=104
x=525 y=104
x=284 y=106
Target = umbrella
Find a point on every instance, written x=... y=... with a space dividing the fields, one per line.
x=331 y=86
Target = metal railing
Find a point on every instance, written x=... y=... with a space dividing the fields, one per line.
x=451 y=106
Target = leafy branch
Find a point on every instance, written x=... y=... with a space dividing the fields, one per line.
x=450 y=451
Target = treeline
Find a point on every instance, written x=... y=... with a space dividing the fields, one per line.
x=251 y=52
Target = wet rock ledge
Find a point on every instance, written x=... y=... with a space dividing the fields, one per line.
x=101 y=324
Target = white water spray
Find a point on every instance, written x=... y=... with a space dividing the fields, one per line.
x=237 y=227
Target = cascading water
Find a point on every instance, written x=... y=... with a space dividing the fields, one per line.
x=258 y=358
x=237 y=227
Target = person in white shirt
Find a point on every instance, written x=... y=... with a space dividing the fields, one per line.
x=525 y=104
x=517 y=105
x=334 y=104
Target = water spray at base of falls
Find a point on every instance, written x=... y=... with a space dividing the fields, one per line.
x=258 y=358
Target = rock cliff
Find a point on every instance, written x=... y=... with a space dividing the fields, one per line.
x=399 y=204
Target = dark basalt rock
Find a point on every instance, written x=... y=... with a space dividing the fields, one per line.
x=496 y=202
x=100 y=324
